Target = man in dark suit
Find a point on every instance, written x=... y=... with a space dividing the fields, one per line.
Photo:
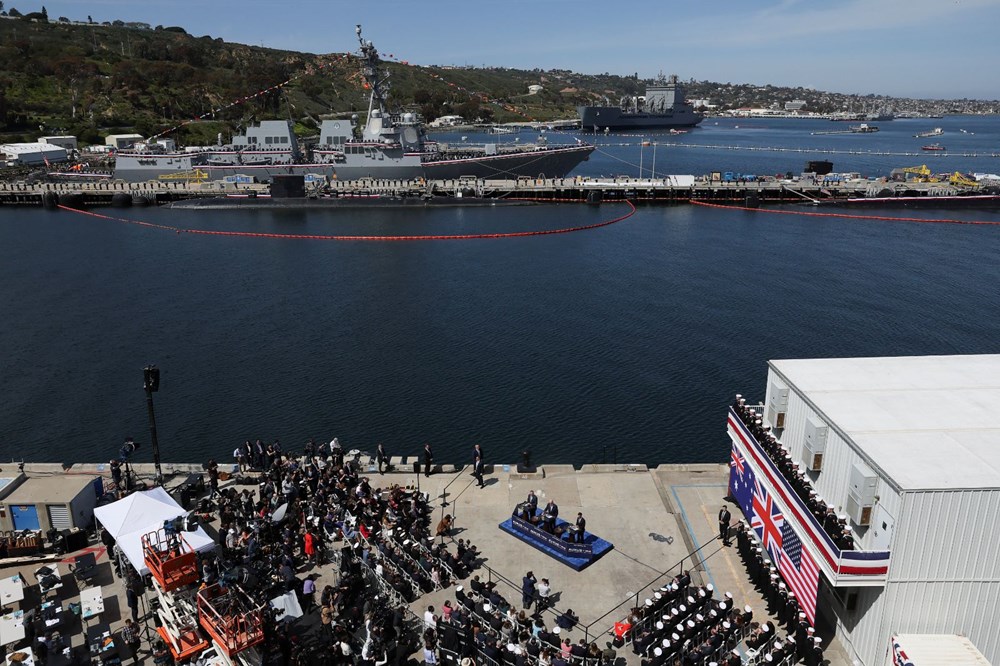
x=428 y=459
x=724 y=518
x=549 y=515
x=477 y=470
x=581 y=528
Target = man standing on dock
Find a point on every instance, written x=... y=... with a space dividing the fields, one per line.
x=477 y=465
x=724 y=518
x=428 y=459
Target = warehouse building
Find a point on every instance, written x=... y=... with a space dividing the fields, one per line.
x=907 y=451
x=16 y=154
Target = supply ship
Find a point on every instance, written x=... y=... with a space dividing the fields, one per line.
x=388 y=146
x=663 y=107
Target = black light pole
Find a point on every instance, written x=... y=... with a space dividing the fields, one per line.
x=151 y=382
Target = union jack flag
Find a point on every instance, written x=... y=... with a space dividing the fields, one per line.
x=767 y=520
x=737 y=462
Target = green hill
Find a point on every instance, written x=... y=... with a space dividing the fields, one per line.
x=93 y=79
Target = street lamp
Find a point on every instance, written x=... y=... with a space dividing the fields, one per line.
x=151 y=382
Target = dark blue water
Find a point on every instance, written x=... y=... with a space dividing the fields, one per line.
x=624 y=342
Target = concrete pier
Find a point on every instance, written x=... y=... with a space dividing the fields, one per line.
x=661 y=521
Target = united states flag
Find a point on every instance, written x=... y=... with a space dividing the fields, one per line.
x=799 y=571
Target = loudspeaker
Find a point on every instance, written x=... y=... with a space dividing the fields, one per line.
x=416 y=468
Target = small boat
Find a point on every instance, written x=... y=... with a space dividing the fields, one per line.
x=937 y=131
x=864 y=128
x=933 y=146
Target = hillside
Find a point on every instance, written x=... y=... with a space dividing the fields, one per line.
x=90 y=79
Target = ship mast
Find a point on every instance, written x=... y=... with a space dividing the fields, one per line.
x=369 y=70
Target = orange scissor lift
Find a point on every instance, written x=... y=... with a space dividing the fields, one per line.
x=174 y=567
x=231 y=618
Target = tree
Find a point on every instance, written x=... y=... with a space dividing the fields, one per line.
x=45 y=12
x=13 y=12
x=89 y=20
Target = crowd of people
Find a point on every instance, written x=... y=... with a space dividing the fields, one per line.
x=800 y=644
x=484 y=628
x=826 y=515
x=288 y=514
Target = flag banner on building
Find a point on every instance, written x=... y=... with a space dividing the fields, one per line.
x=747 y=453
x=776 y=534
x=899 y=657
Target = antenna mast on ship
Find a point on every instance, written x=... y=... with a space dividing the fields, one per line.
x=369 y=69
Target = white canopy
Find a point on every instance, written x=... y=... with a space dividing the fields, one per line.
x=143 y=512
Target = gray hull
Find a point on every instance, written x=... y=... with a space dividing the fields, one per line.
x=612 y=117
x=550 y=163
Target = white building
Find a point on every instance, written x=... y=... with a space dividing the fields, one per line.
x=67 y=142
x=32 y=153
x=120 y=141
x=909 y=449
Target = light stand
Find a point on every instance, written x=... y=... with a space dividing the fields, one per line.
x=151 y=383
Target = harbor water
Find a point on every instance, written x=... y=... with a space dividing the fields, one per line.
x=620 y=344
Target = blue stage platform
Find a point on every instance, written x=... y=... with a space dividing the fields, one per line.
x=575 y=556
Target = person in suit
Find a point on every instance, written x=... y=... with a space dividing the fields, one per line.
x=528 y=589
x=724 y=518
x=477 y=470
x=382 y=458
x=550 y=513
x=581 y=527
x=428 y=459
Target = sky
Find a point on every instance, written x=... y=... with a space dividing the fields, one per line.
x=936 y=49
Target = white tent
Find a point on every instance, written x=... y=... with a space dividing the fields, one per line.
x=140 y=513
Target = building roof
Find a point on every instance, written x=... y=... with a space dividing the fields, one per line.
x=928 y=422
x=28 y=148
x=55 y=489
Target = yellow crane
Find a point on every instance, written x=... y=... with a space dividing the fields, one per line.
x=921 y=173
x=196 y=175
x=962 y=180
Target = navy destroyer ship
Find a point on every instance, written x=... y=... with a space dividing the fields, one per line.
x=388 y=146
x=663 y=107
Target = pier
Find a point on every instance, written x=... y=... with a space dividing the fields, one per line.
x=665 y=190
x=661 y=519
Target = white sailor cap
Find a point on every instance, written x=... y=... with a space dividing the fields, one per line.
x=459 y=588
x=768 y=658
x=713 y=613
x=674 y=587
x=682 y=608
x=487 y=608
x=710 y=587
x=665 y=643
x=847 y=528
x=699 y=617
x=802 y=616
x=841 y=517
x=665 y=617
x=725 y=624
x=765 y=628
x=657 y=651
x=649 y=602
x=556 y=630
x=728 y=595
x=781 y=586
x=690 y=624
x=680 y=627
x=790 y=639
x=810 y=630
x=817 y=640
x=747 y=609
x=657 y=596
x=778 y=645
x=674 y=612
x=736 y=651
x=690 y=599
x=659 y=625
x=675 y=637
x=701 y=593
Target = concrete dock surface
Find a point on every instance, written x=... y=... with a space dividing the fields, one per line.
x=661 y=521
